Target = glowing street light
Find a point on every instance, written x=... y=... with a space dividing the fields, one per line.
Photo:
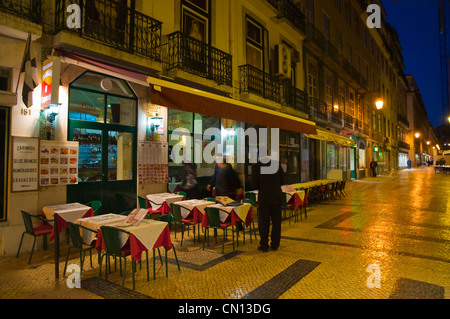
x=379 y=104
x=428 y=142
x=417 y=135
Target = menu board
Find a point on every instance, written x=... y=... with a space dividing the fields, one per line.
x=153 y=164
x=25 y=164
x=58 y=163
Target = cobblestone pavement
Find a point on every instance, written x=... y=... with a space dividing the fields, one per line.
x=396 y=226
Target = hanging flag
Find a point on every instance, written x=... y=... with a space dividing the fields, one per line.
x=31 y=80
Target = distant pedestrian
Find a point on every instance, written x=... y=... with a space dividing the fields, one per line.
x=409 y=164
x=373 y=167
x=270 y=199
x=189 y=182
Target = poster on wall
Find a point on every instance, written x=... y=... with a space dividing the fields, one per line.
x=153 y=165
x=25 y=164
x=58 y=163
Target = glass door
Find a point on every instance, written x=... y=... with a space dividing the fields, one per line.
x=102 y=118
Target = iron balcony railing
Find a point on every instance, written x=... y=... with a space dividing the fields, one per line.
x=294 y=97
x=29 y=9
x=197 y=57
x=348 y=121
x=256 y=81
x=403 y=119
x=404 y=145
x=115 y=25
x=318 y=109
x=335 y=116
x=289 y=10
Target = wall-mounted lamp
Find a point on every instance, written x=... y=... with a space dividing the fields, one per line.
x=155 y=122
x=336 y=107
x=428 y=142
x=417 y=135
x=448 y=119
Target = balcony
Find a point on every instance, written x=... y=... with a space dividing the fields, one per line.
x=404 y=145
x=115 y=25
x=293 y=97
x=402 y=119
x=289 y=10
x=348 y=121
x=336 y=117
x=198 y=58
x=318 y=109
x=28 y=9
x=256 y=81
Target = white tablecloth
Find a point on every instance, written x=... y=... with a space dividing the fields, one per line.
x=188 y=205
x=69 y=212
x=95 y=223
x=156 y=200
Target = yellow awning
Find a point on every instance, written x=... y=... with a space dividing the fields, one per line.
x=329 y=136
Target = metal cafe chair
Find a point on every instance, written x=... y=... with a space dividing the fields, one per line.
x=42 y=230
x=77 y=242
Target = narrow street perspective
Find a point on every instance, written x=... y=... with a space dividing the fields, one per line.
x=396 y=227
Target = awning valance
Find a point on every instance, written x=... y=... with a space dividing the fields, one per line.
x=329 y=136
x=188 y=99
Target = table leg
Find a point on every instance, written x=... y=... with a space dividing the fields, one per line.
x=56 y=238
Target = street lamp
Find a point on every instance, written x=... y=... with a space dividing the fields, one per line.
x=417 y=135
x=379 y=104
x=428 y=142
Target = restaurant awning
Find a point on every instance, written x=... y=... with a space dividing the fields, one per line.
x=329 y=136
x=176 y=96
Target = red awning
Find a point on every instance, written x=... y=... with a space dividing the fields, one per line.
x=233 y=110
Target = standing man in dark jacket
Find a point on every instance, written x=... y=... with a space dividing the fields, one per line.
x=270 y=199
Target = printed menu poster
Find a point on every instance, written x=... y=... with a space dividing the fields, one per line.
x=58 y=163
x=153 y=164
x=25 y=164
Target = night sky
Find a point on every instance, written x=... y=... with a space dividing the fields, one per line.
x=418 y=26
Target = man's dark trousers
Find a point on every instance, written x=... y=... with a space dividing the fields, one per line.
x=267 y=213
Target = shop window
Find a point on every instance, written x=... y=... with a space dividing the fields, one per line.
x=102 y=99
x=5 y=79
x=290 y=156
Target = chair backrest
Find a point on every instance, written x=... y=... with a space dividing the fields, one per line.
x=182 y=193
x=112 y=240
x=28 y=222
x=213 y=215
x=142 y=202
x=248 y=200
x=176 y=212
x=251 y=196
x=166 y=218
x=74 y=234
x=210 y=199
x=95 y=204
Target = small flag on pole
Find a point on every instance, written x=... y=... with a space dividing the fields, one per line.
x=31 y=80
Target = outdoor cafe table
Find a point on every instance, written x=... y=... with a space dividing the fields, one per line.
x=95 y=223
x=148 y=235
x=194 y=207
x=61 y=214
x=243 y=212
x=297 y=198
x=310 y=184
x=162 y=201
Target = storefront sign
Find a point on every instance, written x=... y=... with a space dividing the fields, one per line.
x=25 y=164
x=50 y=75
x=58 y=163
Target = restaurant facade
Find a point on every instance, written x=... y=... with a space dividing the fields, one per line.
x=117 y=82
